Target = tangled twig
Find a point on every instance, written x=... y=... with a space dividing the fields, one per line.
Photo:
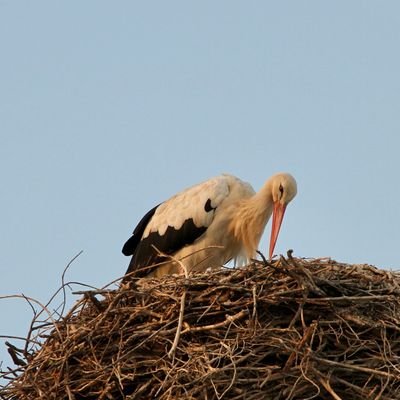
x=285 y=329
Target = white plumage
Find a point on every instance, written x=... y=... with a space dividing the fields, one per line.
x=190 y=204
x=207 y=225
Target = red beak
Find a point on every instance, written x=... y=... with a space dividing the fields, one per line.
x=277 y=218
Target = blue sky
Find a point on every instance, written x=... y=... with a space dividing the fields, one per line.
x=108 y=108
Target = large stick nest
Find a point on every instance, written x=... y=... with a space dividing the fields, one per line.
x=290 y=329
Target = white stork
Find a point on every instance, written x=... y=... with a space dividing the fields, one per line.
x=207 y=225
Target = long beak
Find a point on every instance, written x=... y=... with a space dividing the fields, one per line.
x=277 y=218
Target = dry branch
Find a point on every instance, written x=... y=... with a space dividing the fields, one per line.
x=293 y=329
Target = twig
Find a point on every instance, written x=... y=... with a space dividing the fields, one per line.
x=343 y=365
x=327 y=386
x=229 y=319
x=171 y=352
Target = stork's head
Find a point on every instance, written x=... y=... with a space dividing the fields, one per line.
x=283 y=189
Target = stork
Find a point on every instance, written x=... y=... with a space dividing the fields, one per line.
x=208 y=225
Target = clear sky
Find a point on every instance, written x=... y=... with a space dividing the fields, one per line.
x=108 y=108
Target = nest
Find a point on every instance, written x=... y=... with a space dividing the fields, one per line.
x=289 y=329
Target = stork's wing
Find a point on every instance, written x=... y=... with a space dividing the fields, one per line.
x=175 y=223
x=133 y=241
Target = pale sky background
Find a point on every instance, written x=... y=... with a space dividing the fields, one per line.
x=108 y=108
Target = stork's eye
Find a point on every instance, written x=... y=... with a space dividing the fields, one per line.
x=281 y=190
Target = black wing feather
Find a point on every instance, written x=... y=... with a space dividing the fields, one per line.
x=131 y=244
x=146 y=252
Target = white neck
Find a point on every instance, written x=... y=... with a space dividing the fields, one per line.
x=251 y=217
